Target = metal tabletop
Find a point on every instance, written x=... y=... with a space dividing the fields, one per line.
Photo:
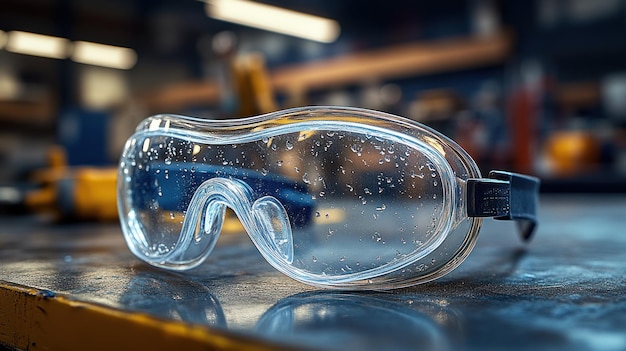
x=566 y=290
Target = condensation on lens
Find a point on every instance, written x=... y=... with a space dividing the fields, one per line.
x=381 y=200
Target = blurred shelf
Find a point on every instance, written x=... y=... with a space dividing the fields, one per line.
x=396 y=62
x=407 y=60
x=39 y=112
x=178 y=95
x=579 y=94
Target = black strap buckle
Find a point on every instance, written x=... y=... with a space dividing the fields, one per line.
x=505 y=196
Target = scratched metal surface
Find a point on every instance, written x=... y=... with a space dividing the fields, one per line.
x=564 y=291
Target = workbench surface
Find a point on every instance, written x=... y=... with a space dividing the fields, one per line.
x=77 y=286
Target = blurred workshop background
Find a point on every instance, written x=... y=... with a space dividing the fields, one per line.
x=532 y=86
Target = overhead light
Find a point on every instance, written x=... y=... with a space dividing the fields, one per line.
x=59 y=48
x=37 y=44
x=103 y=55
x=274 y=19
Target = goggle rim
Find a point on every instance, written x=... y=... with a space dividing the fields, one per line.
x=324 y=112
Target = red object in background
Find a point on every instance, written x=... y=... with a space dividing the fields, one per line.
x=523 y=115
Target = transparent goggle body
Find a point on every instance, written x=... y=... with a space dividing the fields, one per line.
x=333 y=197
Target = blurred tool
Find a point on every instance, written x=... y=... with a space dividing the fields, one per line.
x=244 y=85
x=67 y=193
x=253 y=85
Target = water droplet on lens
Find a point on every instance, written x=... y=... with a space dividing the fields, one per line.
x=314 y=258
x=343 y=258
x=305 y=178
x=288 y=145
x=377 y=237
x=317 y=214
x=381 y=208
x=279 y=163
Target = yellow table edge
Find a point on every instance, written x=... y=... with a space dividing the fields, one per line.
x=36 y=319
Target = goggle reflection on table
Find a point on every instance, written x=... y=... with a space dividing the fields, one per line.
x=330 y=196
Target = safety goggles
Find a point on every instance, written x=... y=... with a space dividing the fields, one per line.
x=331 y=196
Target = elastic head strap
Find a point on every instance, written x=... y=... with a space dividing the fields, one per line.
x=505 y=196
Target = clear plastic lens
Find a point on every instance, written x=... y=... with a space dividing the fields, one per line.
x=329 y=196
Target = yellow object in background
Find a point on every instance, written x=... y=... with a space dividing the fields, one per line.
x=74 y=193
x=572 y=152
x=88 y=194
x=92 y=194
